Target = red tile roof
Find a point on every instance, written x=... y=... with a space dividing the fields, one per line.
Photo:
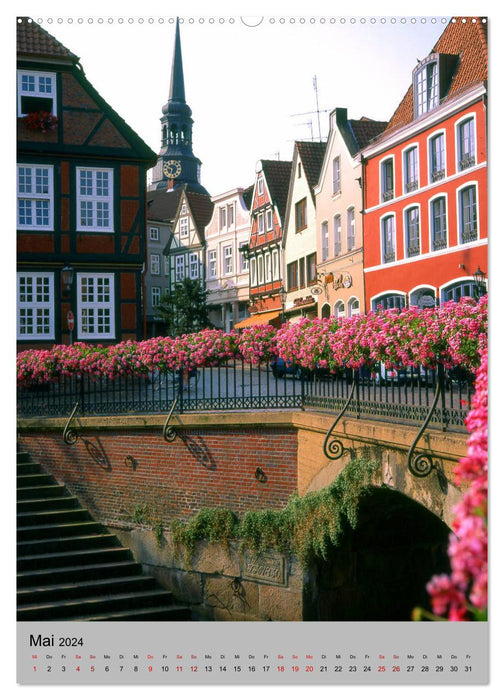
x=32 y=40
x=465 y=39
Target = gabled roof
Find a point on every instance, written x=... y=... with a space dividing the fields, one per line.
x=311 y=154
x=365 y=130
x=32 y=40
x=163 y=205
x=468 y=41
x=201 y=207
x=277 y=175
x=247 y=196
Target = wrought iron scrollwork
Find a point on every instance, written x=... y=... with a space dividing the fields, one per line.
x=423 y=464
x=334 y=448
x=169 y=432
x=70 y=435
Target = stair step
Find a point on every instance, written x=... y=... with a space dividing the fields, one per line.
x=94 y=605
x=58 y=530
x=74 y=574
x=85 y=589
x=67 y=544
x=26 y=480
x=158 y=614
x=23 y=457
x=81 y=557
x=50 y=491
x=44 y=504
x=29 y=468
x=48 y=517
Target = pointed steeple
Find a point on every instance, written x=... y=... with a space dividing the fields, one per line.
x=177 y=165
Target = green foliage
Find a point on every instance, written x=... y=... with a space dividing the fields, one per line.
x=184 y=309
x=158 y=531
x=307 y=526
x=141 y=514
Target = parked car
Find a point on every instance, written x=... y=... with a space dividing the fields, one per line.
x=281 y=368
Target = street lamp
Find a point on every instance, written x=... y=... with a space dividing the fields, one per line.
x=67 y=275
x=479 y=282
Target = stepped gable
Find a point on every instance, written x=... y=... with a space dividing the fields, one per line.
x=277 y=174
x=311 y=154
x=468 y=41
x=32 y=40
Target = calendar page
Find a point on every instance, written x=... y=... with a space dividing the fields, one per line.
x=251 y=313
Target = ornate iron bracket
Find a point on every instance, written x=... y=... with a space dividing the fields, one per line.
x=70 y=436
x=334 y=449
x=422 y=465
x=169 y=432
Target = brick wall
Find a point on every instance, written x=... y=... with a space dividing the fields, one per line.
x=114 y=472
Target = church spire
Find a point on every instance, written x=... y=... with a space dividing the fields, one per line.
x=177 y=164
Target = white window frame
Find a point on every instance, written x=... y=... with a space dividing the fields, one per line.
x=212 y=263
x=194 y=266
x=95 y=199
x=434 y=176
x=154 y=233
x=269 y=219
x=179 y=268
x=275 y=264
x=166 y=265
x=353 y=307
x=324 y=235
x=37 y=92
x=155 y=264
x=96 y=305
x=406 y=210
x=432 y=201
x=337 y=235
x=222 y=218
x=227 y=252
x=459 y=193
x=411 y=185
x=432 y=88
x=244 y=261
x=375 y=300
x=387 y=195
x=34 y=305
x=184 y=227
x=469 y=117
x=260 y=269
x=230 y=215
x=350 y=228
x=253 y=272
x=260 y=223
x=459 y=282
x=339 y=308
x=336 y=175
x=267 y=267
x=155 y=297
x=383 y=219
x=260 y=186
x=35 y=195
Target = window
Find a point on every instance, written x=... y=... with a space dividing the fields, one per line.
x=183 y=209
x=184 y=227
x=260 y=186
x=179 y=268
x=267 y=267
x=426 y=87
x=388 y=239
x=337 y=234
x=275 y=260
x=253 y=272
x=244 y=261
x=325 y=312
x=166 y=265
x=155 y=297
x=457 y=290
x=36 y=92
x=153 y=233
x=336 y=175
x=212 y=263
x=222 y=218
x=292 y=275
x=468 y=214
x=193 y=266
x=301 y=215
x=438 y=223
x=228 y=260
x=466 y=144
x=230 y=214
x=260 y=223
x=95 y=304
x=412 y=228
x=269 y=219
x=339 y=309
x=311 y=268
x=387 y=180
x=353 y=307
x=302 y=273
x=94 y=200
x=351 y=229
x=325 y=240
x=390 y=301
x=35 y=197
x=260 y=269
x=35 y=303
x=437 y=157
x=411 y=169
x=154 y=264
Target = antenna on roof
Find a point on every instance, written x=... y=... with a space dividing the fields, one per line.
x=318 y=110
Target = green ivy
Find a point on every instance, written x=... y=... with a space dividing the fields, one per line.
x=306 y=527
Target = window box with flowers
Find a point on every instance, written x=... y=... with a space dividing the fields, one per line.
x=41 y=121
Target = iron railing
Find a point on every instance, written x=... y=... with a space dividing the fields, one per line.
x=399 y=396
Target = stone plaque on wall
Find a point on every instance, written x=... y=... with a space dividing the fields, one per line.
x=265 y=568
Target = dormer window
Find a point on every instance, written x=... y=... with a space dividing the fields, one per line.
x=431 y=79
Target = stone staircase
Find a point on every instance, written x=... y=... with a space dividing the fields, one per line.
x=69 y=567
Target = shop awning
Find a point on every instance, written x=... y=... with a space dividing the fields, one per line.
x=258 y=319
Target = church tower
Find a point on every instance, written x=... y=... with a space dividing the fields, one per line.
x=177 y=165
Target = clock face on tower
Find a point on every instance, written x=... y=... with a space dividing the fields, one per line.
x=172 y=168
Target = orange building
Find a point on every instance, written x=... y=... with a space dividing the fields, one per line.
x=425 y=180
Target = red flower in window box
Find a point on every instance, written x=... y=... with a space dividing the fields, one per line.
x=41 y=121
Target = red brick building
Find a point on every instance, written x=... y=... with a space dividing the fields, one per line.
x=425 y=180
x=81 y=174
